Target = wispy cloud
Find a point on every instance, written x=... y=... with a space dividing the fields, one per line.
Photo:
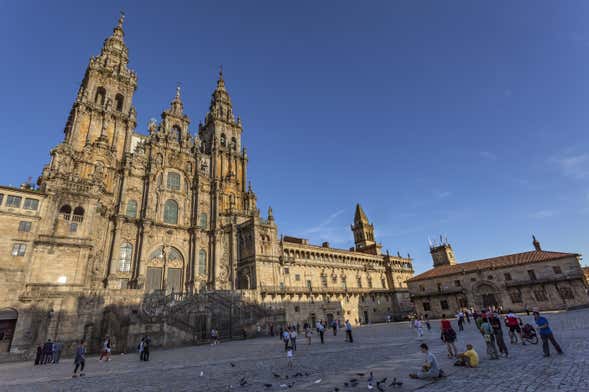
x=572 y=165
x=542 y=214
x=442 y=194
x=488 y=155
x=329 y=230
x=324 y=224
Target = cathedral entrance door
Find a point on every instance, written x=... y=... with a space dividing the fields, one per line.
x=489 y=300
x=329 y=319
x=174 y=280
x=7 y=325
x=154 y=279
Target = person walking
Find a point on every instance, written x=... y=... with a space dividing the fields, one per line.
x=467 y=314
x=427 y=323
x=460 y=318
x=289 y=357
x=146 y=347
x=349 y=337
x=140 y=348
x=546 y=334
x=334 y=327
x=321 y=330
x=105 y=349
x=80 y=359
x=448 y=336
x=498 y=332
x=488 y=335
x=418 y=328
x=293 y=339
x=39 y=355
x=286 y=338
x=308 y=333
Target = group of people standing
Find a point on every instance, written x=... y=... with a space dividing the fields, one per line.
x=49 y=352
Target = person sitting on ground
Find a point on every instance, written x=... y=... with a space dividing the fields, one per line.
x=430 y=369
x=469 y=358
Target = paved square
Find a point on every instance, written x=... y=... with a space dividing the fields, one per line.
x=388 y=350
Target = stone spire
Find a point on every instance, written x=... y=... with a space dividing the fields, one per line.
x=270 y=214
x=221 y=107
x=360 y=216
x=115 y=53
x=536 y=244
x=177 y=107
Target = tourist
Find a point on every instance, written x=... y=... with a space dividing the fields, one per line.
x=427 y=324
x=293 y=339
x=460 y=318
x=140 y=348
x=512 y=322
x=430 y=369
x=546 y=334
x=448 y=336
x=47 y=352
x=334 y=327
x=527 y=310
x=321 y=330
x=80 y=359
x=289 y=356
x=57 y=347
x=467 y=314
x=271 y=329
x=286 y=338
x=105 y=349
x=418 y=328
x=349 y=337
x=281 y=332
x=469 y=358
x=214 y=336
x=498 y=332
x=489 y=336
x=146 y=347
x=308 y=333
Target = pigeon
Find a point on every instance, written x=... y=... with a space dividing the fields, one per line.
x=298 y=374
x=346 y=384
x=360 y=374
x=379 y=387
x=306 y=374
x=382 y=381
x=291 y=384
x=317 y=381
x=202 y=373
x=282 y=385
x=243 y=381
x=370 y=386
x=395 y=383
x=371 y=378
x=276 y=375
x=336 y=389
x=268 y=385
x=232 y=364
x=353 y=380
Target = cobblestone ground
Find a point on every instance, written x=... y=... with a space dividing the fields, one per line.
x=388 y=350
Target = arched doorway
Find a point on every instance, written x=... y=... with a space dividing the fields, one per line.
x=165 y=268
x=8 y=318
x=487 y=295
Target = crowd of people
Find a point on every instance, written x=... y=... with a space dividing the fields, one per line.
x=48 y=353
x=490 y=323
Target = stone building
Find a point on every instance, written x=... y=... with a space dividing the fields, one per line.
x=118 y=215
x=536 y=279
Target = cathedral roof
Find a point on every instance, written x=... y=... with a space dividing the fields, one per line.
x=493 y=262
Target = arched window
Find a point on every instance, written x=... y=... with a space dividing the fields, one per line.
x=100 y=96
x=171 y=212
x=203 y=220
x=119 y=101
x=233 y=144
x=125 y=257
x=131 y=209
x=202 y=262
x=174 y=181
x=65 y=211
x=176 y=133
x=223 y=140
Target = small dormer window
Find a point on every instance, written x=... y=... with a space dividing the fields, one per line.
x=233 y=144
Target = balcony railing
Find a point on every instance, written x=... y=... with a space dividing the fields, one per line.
x=270 y=289
x=553 y=279
x=434 y=293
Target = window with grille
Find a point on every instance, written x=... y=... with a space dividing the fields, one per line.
x=515 y=296
x=309 y=285
x=73 y=227
x=174 y=181
x=297 y=277
x=202 y=262
x=557 y=269
x=13 y=201
x=566 y=293
x=370 y=282
x=507 y=276
x=24 y=226
x=444 y=304
x=1 y=198
x=203 y=221
x=540 y=295
x=359 y=281
x=532 y=274
x=457 y=283
x=125 y=257
x=31 y=204
x=427 y=307
x=324 y=280
x=19 y=249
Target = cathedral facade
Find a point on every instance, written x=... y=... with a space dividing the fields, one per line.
x=117 y=215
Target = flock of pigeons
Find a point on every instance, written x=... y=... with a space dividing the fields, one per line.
x=380 y=385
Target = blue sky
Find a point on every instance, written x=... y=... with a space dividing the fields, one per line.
x=467 y=119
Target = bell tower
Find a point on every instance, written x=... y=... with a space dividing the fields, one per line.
x=442 y=253
x=103 y=109
x=364 y=233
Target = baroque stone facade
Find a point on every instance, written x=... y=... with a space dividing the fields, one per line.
x=118 y=215
x=537 y=279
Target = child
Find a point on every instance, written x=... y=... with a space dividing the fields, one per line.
x=469 y=358
x=289 y=355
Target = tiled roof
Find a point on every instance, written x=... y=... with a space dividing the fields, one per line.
x=494 y=262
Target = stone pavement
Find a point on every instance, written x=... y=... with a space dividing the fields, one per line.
x=388 y=350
